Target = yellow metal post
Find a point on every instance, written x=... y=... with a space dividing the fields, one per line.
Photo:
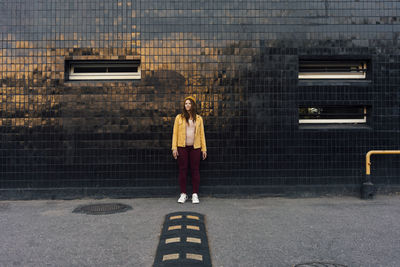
x=370 y=153
x=368 y=190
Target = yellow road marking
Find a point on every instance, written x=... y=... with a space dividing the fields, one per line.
x=192 y=217
x=193 y=227
x=175 y=217
x=175 y=227
x=193 y=240
x=167 y=257
x=194 y=256
x=172 y=240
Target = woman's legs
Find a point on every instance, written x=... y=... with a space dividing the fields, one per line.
x=187 y=154
x=183 y=160
x=194 y=155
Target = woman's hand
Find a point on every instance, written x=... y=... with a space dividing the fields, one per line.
x=204 y=155
x=175 y=154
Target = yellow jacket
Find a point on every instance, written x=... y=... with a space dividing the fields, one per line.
x=179 y=135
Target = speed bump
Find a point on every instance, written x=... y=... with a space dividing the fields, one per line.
x=183 y=241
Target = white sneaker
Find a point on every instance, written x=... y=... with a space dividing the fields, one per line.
x=182 y=199
x=195 y=199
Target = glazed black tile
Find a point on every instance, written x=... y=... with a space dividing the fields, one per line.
x=239 y=58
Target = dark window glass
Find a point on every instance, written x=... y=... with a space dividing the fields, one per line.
x=326 y=66
x=332 y=112
x=333 y=69
x=84 y=69
x=123 y=69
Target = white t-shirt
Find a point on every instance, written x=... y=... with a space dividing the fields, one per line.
x=190 y=130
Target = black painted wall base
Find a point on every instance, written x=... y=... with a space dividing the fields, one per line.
x=214 y=191
x=368 y=190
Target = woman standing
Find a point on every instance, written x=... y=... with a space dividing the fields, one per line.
x=188 y=145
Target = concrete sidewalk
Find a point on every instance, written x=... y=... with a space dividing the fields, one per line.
x=241 y=232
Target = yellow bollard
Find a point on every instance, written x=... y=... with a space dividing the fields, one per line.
x=367 y=189
x=370 y=153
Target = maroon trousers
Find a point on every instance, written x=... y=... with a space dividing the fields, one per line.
x=189 y=155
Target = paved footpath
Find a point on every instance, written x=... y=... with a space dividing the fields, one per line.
x=241 y=232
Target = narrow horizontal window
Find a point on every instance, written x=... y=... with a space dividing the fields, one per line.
x=332 y=114
x=333 y=69
x=103 y=70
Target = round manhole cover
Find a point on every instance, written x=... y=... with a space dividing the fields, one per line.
x=319 y=264
x=101 y=209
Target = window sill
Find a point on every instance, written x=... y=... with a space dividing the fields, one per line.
x=98 y=82
x=334 y=82
x=335 y=126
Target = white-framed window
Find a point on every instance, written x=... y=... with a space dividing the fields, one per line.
x=333 y=69
x=333 y=114
x=103 y=70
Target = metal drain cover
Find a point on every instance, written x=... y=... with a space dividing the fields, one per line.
x=101 y=209
x=319 y=264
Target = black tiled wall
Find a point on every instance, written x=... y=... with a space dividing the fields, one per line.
x=239 y=59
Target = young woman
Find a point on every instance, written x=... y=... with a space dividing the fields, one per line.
x=188 y=145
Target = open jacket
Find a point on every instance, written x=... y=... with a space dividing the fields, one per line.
x=179 y=134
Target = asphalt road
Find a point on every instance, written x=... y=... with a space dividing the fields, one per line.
x=241 y=232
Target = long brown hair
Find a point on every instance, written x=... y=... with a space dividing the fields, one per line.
x=193 y=110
